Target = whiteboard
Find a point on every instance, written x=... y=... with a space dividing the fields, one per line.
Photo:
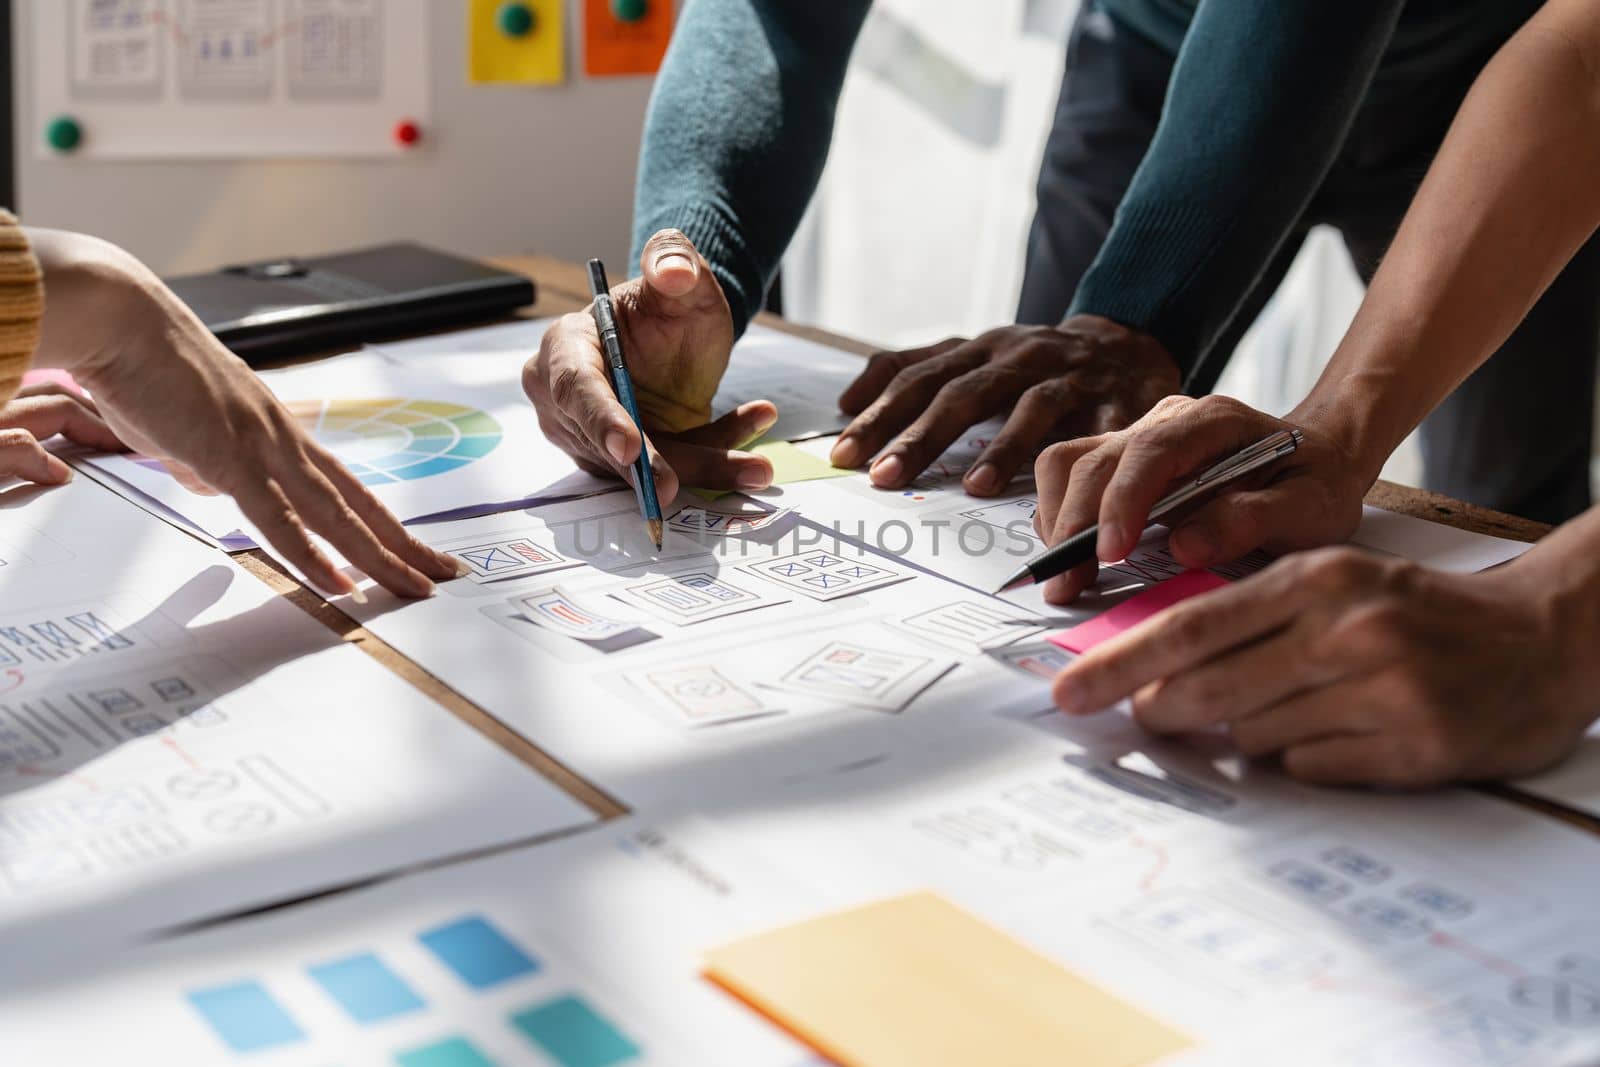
x=229 y=79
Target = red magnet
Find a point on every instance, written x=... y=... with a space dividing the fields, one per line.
x=407 y=132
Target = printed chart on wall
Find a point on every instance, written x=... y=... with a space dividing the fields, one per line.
x=429 y=441
x=151 y=79
x=541 y=956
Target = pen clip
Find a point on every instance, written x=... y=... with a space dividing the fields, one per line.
x=1276 y=444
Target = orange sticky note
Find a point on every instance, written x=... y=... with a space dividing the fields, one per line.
x=517 y=41
x=613 y=44
x=1136 y=609
x=916 y=982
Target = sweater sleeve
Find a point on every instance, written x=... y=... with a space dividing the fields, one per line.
x=1261 y=99
x=21 y=305
x=738 y=130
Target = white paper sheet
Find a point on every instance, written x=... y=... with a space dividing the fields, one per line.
x=1576 y=781
x=1433 y=544
x=599 y=935
x=658 y=690
x=1256 y=915
x=177 y=742
x=152 y=79
x=444 y=438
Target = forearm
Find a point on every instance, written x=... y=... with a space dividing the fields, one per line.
x=1510 y=199
x=738 y=131
x=101 y=303
x=1561 y=576
x=1261 y=99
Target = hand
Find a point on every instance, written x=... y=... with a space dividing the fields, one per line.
x=1362 y=669
x=162 y=384
x=677 y=334
x=1087 y=376
x=1307 y=500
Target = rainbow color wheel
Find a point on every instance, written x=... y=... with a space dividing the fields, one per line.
x=393 y=439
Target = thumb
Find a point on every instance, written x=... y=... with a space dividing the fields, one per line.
x=671 y=267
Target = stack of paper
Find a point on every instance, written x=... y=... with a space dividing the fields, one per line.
x=177 y=743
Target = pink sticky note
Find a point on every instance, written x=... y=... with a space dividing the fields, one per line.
x=51 y=374
x=1136 y=609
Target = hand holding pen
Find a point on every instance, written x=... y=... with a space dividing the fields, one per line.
x=1114 y=482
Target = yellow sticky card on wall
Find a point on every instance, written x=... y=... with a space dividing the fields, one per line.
x=917 y=982
x=518 y=41
x=625 y=36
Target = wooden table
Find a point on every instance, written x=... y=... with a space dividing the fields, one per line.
x=563 y=287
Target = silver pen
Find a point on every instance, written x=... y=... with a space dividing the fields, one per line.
x=1080 y=547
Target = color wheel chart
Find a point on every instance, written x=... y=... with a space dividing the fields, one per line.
x=392 y=439
x=385 y=440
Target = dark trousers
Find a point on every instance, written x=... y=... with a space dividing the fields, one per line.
x=1515 y=436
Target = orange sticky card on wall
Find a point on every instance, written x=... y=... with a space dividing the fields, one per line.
x=516 y=41
x=916 y=982
x=625 y=36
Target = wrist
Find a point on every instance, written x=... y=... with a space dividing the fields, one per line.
x=1349 y=417
x=1559 y=580
x=96 y=297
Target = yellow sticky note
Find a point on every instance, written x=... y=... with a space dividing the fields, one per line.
x=520 y=41
x=789 y=465
x=917 y=982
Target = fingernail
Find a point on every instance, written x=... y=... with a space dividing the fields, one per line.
x=846 y=452
x=617 y=447
x=888 y=470
x=1196 y=543
x=984 y=477
x=674 y=261
x=1069 y=698
x=1109 y=545
x=754 y=476
x=357 y=595
x=1055 y=590
x=462 y=570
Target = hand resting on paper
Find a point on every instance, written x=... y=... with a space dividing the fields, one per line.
x=163 y=385
x=1307 y=500
x=1365 y=670
x=677 y=335
x=1088 y=375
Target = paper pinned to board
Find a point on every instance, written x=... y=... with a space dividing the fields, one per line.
x=915 y=981
x=521 y=44
x=1136 y=609
x=625 y=38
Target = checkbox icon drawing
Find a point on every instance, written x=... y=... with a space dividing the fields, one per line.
x=791 y=570
x=826 y=581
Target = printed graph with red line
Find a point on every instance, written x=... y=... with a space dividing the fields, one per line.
x=384 y=440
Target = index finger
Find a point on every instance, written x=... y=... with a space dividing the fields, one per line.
x=570 y=372
x=1180 y=638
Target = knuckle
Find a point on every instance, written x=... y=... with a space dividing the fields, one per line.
x=16 y=438
x=668 y=240
x=886 y=361
x=1186 y=630
x=1168 y=406
x=1334 y=570
x=564 y=387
